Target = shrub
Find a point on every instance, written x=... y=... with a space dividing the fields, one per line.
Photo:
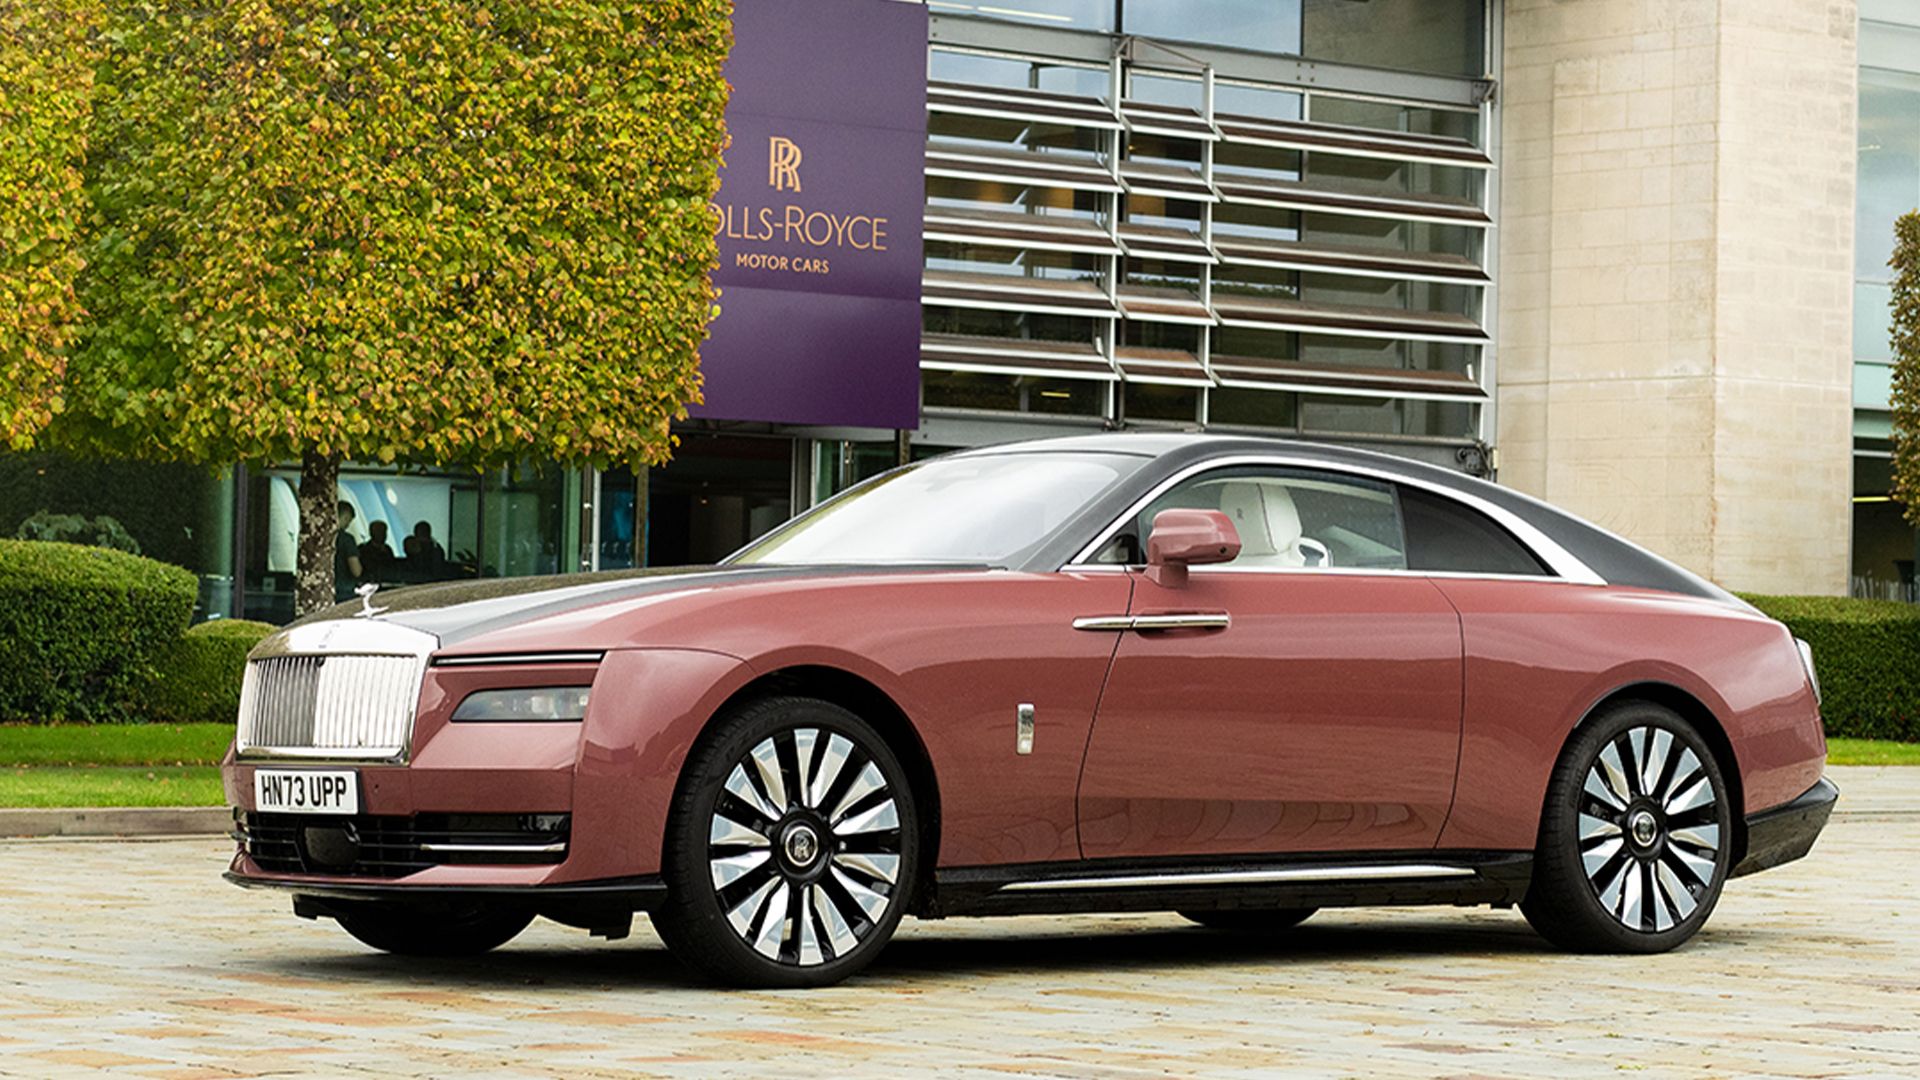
x=103 y=531
x=80 y=628
x=1867 y=653
x=197 y=679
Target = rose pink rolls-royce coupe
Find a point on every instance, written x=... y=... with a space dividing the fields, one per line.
x=1240 y=679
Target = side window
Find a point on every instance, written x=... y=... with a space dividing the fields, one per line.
x=1443 y=535
x=1287 y=519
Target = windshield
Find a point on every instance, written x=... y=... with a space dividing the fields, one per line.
x=979 y=509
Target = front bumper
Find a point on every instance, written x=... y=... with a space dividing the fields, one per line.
x=628 y=895
x=605 y=908
x=612 y=776
x=1786 y=833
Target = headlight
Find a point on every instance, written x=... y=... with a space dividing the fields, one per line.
x=1806 y=661
x=529 y=704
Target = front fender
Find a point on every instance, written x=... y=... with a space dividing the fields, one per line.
x=649 y=705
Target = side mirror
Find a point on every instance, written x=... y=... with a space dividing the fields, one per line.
x=1183 y=538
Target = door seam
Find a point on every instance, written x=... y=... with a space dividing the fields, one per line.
x=1080 y=779
x=1460 y=737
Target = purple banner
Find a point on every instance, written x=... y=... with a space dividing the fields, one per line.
x=820 y=200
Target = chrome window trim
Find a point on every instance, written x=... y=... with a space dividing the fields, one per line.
x=1565 y=566
x=1334 y=571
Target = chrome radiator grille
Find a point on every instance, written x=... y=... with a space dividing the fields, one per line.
x=335 y=705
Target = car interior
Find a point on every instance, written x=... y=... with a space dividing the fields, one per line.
x=1285 y=522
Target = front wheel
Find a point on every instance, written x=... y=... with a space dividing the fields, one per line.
x=419 y=931
x=791 y=847
x=1636 y=838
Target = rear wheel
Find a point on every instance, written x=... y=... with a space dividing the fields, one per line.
x=422 y=931
x=1636 y=838
x=1251 y=920
x=791 y=848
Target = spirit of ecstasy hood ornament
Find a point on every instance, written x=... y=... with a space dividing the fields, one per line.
x=365 y=593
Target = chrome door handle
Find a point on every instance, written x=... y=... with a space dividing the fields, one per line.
x=1210 y=620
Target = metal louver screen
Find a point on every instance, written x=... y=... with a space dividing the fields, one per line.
x=1207 y=217
x=329 y=706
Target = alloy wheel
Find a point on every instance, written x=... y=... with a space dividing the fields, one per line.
x=804 y=846
x=1650 y=831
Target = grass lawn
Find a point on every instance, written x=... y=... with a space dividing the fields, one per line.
x=111 y=785
x=112 y=764
x=1871 y=752
x=114 y=744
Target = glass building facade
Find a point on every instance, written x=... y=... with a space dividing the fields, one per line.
x=1157 y=214
x=1241 y=215
x=1889 y=185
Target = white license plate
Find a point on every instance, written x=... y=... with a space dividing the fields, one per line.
x=306 y=791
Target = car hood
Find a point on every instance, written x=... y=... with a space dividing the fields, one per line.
x=459 y=612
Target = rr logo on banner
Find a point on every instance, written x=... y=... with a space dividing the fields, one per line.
x=783 y=164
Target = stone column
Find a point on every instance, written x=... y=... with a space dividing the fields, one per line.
x=1676 y=242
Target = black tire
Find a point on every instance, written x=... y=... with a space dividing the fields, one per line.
x=1251 y=920
x=1636 y=836
x=434 y=931
x=791 y=911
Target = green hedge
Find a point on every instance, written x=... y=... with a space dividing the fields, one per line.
x=197 y=679
x=1867 y=653
x=80 y=628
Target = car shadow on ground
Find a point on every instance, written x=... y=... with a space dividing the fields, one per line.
x=1073 y=950
x=1179 y=946
x=641 y=964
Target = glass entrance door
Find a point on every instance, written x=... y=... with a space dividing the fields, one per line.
x=719 y=492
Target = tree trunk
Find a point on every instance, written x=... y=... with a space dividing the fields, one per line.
x=319 y=523
x=642 y=513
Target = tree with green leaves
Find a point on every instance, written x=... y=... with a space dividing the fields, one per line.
x=1906 y=363
x=398 y=231
x=46 y=80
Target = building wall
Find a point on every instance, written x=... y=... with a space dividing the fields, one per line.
x=1675 y=253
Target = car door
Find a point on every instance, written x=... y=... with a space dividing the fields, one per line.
x=1305 y=696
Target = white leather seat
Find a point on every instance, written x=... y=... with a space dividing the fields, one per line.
x=1283 y=525
x=1267 y=521
x=1240 y=501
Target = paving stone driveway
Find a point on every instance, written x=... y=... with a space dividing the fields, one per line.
x=134 y=958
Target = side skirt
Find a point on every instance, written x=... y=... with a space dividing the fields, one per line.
x=1318 y=880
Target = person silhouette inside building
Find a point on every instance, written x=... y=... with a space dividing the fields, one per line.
x=346 y=556
x=376 y=555
x=425 y=556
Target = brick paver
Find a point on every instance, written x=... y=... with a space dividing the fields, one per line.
x=134 y=958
